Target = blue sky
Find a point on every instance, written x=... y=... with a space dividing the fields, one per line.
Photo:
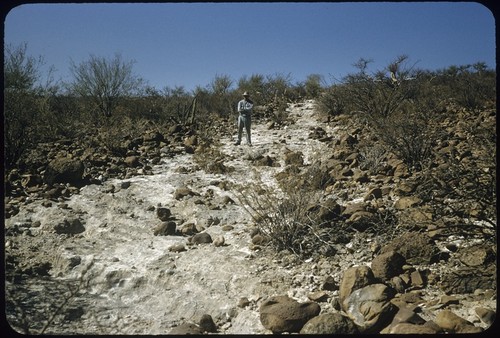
x=189 y=44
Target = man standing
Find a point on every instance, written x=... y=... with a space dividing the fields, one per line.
x=245 y=118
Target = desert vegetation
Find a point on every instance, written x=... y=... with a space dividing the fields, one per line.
x=402 y=106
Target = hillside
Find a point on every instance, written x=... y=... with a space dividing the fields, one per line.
x=126 y=250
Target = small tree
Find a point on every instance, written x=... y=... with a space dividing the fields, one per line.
x=103 y=81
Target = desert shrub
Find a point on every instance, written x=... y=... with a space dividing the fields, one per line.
x=409 y=134
x=26 y=102
x=313 y=86
x=333 y=101
x=463 y=189
x=372 y=157
x=285 y=220
x=117 y=130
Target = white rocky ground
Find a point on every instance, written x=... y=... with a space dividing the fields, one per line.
x=137 y=286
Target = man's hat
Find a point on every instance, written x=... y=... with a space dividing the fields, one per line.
x=246 y=94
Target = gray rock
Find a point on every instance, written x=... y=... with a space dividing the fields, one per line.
x=370 y=307
x=201 y=238
x=186 y=329
x=163 y=213
x=165 y=229
x=70 y=226
x=207 y=324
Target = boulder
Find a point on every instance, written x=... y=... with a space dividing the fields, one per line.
x=370 y=307
x=64 y=170
x=355 y=278
x=284 y=314
x=416 y=248
x=387 y=265
x=201 y=238
x=450 y=322
x=414 y=329
x=330 y=323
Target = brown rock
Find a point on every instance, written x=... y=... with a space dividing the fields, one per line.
x=416 y=248
x=409 y=328
x=330 y=323
x=355 y=278
x=476 y=255
x=450 y=322
x=177 y=248
x=387 y=265
x=284 y=314
x=407 y=202
x=487 y=316
x=132 y=161
x=318 y=296
x=64 y=170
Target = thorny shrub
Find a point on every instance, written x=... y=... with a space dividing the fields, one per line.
x=285 y=219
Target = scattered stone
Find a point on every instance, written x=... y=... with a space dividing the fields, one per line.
x=243 y=302
x=163 y=214
x=207 y=324
x=219 y=241
x=177 y=248
x=186 y=329
x=70 y=226
x=165 y=229
x=201 y=238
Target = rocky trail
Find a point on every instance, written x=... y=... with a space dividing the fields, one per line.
x=124 y=271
